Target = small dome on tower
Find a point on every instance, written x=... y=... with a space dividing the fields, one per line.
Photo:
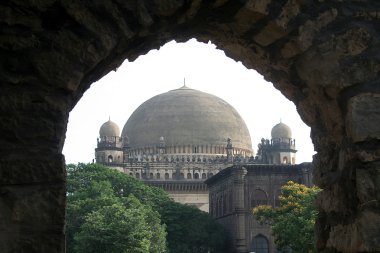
x=281 y=131
x=109 y=128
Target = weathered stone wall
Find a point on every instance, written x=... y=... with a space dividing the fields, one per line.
x=322 y=55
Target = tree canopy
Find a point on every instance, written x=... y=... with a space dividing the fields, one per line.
x=103 y=218
x=109 y=211
x=293 y=222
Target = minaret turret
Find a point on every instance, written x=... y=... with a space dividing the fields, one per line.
x=282 y=146
x=109 y=150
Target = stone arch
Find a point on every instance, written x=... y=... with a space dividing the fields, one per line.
x=260 y=244
x=259 y=197
x=329 y=70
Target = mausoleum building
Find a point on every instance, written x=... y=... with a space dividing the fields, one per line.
x=183 y=138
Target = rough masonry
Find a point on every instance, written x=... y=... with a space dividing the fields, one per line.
x=322 y=55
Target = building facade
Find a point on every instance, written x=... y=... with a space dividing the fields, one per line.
x=176 y=140
x=197 y=147
x=235 y=191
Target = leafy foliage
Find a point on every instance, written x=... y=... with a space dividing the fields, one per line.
x=109 y=211
x=94 y=192
x=293 y=222
x=191 y=230
x=116 y=229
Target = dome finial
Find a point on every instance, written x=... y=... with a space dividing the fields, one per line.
x=184 y=84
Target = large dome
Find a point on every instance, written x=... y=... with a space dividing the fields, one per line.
x=186 y=117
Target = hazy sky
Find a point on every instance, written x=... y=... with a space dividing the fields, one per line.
x=205 y=68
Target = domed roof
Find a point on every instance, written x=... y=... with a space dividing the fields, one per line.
x=186 y=117
x=281 y=131
x=109 y=128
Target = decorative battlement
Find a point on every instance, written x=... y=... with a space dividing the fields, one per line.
x=278 y=143
x=183 y=186
x=109 y=142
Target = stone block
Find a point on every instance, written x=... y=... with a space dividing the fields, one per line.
x=36 y=170
x=368 y=187
x=270 y=34
x=363 y=117
x=360 y=236
x=35 y=208
x=331 y=200
x=32 y=242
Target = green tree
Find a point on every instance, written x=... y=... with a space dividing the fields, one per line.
x=293 y=222
x=103 y=218
x=94 y=190
x=117 y=229
x=192 y=230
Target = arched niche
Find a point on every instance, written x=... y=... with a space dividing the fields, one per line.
x=258 y=197
x=321 y=55
x=260 y=244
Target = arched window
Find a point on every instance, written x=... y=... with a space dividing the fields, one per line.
x=188 y=175
x=220 y=207
x=196 y=175
x=166 y=175
x=258 y=197
x=224 y=204
x=210 y=174
x=158 y=175
x=203 y=175
x=260 y=244
x=110 y=159
x=182 y=176
x=214 y=206
x=137 y=175
x=285 y=160
x=151 y=175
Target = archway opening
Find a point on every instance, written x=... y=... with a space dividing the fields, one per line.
x=260 y=244
x=321 y=55
x=194 y=64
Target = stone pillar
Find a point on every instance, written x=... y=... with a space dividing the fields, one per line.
x=32 y=171
x=349 y=206
x=240 y=240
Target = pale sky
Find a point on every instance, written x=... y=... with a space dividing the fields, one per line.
x=205 y=68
